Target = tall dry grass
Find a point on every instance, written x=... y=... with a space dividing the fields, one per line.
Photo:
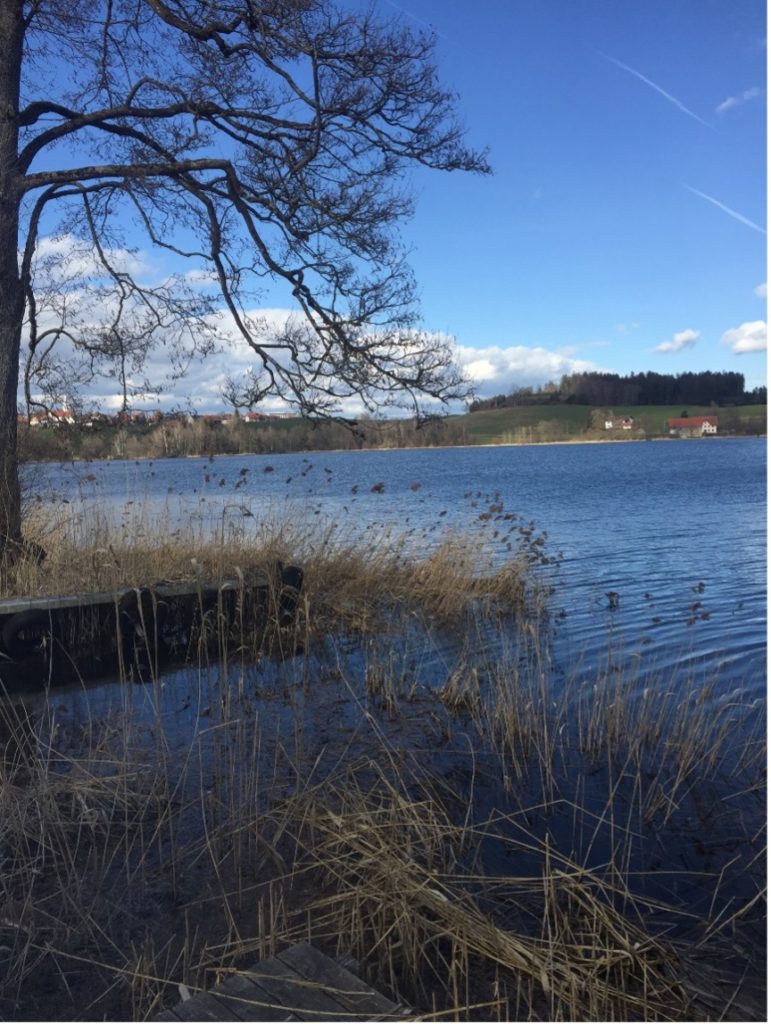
x=407 y=785
x=88 y=550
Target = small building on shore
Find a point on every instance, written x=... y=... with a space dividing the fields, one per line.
x=618 y=422
x=51 y=418
x=692 y=426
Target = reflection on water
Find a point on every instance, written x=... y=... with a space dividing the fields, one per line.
x=675 y=529
x=481 y=721
x=580 y=804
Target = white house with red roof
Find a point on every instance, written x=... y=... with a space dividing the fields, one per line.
x=692 y=426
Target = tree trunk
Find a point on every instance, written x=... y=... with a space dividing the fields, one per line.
x=11 y=290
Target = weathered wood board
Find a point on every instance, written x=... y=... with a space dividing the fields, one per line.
x=47 y=640
x=300 y=983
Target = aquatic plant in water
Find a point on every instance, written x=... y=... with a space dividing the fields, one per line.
x=399 y=774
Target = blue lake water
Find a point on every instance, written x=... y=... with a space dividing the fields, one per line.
x=676 y=529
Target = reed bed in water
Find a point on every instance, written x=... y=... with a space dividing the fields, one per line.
x=412 y=785
x=358 y=572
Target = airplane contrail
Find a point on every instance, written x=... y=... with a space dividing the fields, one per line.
x=726 y=209
x=662 y=92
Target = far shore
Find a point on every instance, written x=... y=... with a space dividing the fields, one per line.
x=391 y=448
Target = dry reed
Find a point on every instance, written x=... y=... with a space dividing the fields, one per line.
x=406 y=785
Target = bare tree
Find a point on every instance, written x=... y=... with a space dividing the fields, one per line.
x=260 y=140
x=245 y=391
x=88 y=318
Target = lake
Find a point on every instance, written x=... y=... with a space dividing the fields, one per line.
x=675 y=531
x=593 y=790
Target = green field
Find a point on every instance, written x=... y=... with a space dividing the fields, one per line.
x=569 y=422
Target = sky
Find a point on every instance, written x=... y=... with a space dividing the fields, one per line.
x=624 y=226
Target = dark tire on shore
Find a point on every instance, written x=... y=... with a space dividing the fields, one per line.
x=26 y=633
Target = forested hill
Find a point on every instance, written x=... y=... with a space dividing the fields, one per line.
x=604 y=389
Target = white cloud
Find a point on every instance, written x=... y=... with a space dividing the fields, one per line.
x=68 y=266
x=747 y=337
x=739 y=99
x=498 y=370
x=493 y=369
x=481 y=370
x=679 y=341
x=202 y=385
x=201 y=276
x=762 y=290
x=69 y=258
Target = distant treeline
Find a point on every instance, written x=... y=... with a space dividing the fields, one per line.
x=606 y=389
x=177 y=436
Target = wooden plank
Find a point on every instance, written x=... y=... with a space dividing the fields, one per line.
x=348 y=962
x=354 y=995
x=249 y=1001
x=299 y=984
x=287 y=988
x=184 y=588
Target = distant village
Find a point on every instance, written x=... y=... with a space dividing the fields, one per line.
x=69 y=417
x=682 y=426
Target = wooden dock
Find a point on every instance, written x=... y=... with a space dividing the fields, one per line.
x=300 y=983
x=58 y=638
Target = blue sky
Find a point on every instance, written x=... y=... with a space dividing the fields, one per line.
x=624 y=227
x=628 y=141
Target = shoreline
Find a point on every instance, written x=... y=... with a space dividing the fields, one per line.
x=393 y=448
